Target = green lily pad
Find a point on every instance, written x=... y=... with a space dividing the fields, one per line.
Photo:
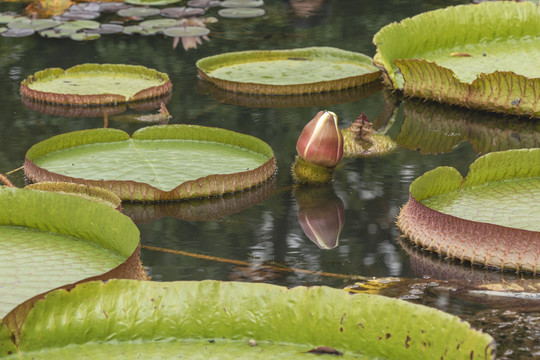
x=138 y=12
x=152 y=2
x=466 y=55
x=286 y=72
x=57 y=33
x=491 y=218
x=241 y=13
x=84 y=36
x=212 y=319
x=158 y=23
x=186 y=31
x=52 y=240
x=241 y=3
x=139 y=30
x=432 y=128
x=95 y=84
x=166 y=162
x=79 y=25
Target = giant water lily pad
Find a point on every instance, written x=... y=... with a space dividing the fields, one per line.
x=50 y=240
x=467 y=55
x=286 y=72
x=96 y=84
x=167 y=162
x=490 y=218
x=227 y=320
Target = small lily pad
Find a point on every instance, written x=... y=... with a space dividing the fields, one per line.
x=18 y=32
x=106 y=29
x=57 y=33
x=158 y=23
x=79 y=15
x=242 y=3
x=79 y=25
x=95 y=84
x=152 y=2
x=186 y=31
x=84 y=36
x=6 y=18
x=204 y=3
x=136 y=29
x=490 y=218
x=286 y=72
x=241 y=13
x=178 y=12
x=164 y=162
x=138 y=12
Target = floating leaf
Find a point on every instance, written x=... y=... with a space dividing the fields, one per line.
x=164 y=162
x=152 y=2
x=158 y=23
x=106 y=29
x=57 y=33
x=130 y=319
x=241 y=3
x=136 y=29
x=92 y=193
x=491 y=218
x=186 y=31
x=490 y=79
x=138 y=12
x=84 y=36
x=51 y=240
x=204 y=3
x=79 y=25
x=95 y=84
x=285 y=72
x=178 y=12
x=241 y=13
x=18 y=32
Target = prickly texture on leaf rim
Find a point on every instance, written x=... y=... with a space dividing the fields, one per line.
x=98 y=99
x=206 y=65
x=464 y=24
x=480 y=243
x=371 y=325
x=211 y=185
x=73 y=216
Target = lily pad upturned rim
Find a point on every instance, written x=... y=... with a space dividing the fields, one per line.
x=480 y=243
x=453 y=26
x=211 y=185
x=206 y=65
x=97 y=99
x=121 y=311
x=72 y=216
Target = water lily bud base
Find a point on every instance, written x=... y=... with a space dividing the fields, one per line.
x=304 y=172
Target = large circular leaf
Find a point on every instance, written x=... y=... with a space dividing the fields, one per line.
x=285 y=72
x=52 y=240
x=95 y=84
x=158 y=163
x=490 y=218
x=466 y=55
x=211 y=319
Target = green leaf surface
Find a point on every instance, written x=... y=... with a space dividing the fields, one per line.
x=160 y=158
x=490 y=218
x=293 y=71
x=48 y=240
x=95 y=84
x=217 y=319
x=466 y=55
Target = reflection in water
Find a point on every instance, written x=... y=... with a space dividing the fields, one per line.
x=306 y=8
x=205 y=209
x=433 y=128
x=321 y=214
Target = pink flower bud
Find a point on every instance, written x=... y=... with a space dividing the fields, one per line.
x=321 y=141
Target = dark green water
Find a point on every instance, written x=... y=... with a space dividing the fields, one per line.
x=260 y=228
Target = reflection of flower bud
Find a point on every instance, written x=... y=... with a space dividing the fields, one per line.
x=321 y=214
x=321 y=141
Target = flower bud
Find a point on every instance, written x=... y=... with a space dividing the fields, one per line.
x=321 y=141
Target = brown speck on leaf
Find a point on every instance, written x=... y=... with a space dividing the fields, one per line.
x=325 y=350
x=106 y=316
x=360 y=324
x=388 y=335
x=407 y=341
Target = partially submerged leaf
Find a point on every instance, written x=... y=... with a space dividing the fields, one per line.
x=285 y=72
x=95 y=84
x=241 y=13
x=164 y=162
x=489 y=218
x=239 y=320
x=433 y=62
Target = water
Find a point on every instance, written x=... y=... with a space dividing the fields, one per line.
x=256 y=236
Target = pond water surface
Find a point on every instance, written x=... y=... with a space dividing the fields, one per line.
x=256 y=236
